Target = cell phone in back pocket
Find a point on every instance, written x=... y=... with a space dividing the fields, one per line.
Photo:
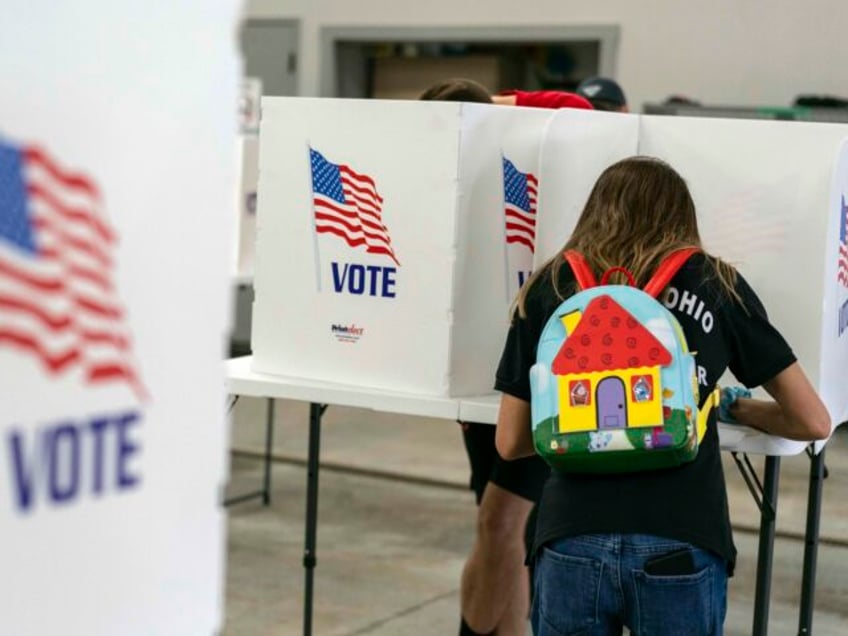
x=677 y=563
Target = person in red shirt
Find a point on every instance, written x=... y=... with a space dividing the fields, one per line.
x=466 y=90
x=541 y=99
x=495 y=586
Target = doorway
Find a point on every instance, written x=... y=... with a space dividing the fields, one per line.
x=611 y=400
x=399 y=63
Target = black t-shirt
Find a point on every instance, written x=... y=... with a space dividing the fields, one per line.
x=689 y=502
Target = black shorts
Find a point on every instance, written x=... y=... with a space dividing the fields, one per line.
x=523 y=477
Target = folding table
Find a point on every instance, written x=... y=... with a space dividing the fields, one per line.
x=738 y=440
x=241 y=381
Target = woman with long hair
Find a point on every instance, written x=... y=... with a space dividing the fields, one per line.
x=648 y=550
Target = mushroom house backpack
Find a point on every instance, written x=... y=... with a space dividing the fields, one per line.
x=614 y=387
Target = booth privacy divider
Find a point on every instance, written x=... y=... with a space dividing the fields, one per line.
x=392 y=235
x=117 y=217
x=391 y=238
x=770 y=198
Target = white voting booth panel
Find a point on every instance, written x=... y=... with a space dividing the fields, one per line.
x=763 y=194
x=382 y=254
x=117 y=188
x=249 y=103
x=768 y=201
x=834 y=336
x=577 y=147
x=497 y=200
x=247 y=206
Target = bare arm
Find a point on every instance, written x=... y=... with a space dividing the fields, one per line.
x=504 y=100
x=797 y=412
x=513 y=437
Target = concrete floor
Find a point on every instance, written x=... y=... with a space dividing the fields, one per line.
x=396 y=522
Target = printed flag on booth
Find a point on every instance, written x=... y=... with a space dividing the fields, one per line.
x=520 y=191
x=58 y=301
x=347 y=204
x=842 y=269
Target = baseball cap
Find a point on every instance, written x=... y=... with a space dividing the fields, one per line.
x=602 y=88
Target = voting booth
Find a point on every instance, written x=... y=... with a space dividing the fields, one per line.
x=392 y=236
x=248 y=143
x=770 y=198
x=249 y=151
x=245 y=235
x=117 y=189
x=834 y=336
x=391 y=239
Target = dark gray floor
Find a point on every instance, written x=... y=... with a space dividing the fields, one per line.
x=390 y=549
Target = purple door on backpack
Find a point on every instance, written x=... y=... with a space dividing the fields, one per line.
x=611 y=400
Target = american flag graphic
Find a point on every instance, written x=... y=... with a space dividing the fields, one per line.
x=842 y=274
x=520 y=205
x=58 y=302
x=348 y=205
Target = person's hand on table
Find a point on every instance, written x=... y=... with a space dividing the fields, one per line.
x=729 y=396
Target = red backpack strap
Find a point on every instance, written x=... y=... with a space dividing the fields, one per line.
x=669 y=266
x=612 y=270
x=582 y=272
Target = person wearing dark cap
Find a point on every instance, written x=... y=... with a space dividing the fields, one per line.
x=495 y=586
x=604 y=94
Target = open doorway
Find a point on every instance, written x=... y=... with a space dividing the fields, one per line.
x=399 y=63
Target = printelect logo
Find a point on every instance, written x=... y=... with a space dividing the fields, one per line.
x=347 y=333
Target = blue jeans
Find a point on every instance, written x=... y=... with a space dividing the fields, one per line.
x=594 y=585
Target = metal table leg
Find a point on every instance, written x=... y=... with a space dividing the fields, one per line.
x=265 y=492
x=269 y=443
x=309 y=559
x=765 y=495
x=811 y=543
x=768 y=514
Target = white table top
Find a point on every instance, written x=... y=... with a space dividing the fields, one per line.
x=241 y=380
x=732 y=437
x=744 y=439
x=481 y=408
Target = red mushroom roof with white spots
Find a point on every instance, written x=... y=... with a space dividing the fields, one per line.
x=608 y=337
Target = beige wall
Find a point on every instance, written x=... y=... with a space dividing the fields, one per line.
x=740 y=52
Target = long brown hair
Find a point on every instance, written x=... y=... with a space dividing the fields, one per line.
x=638 y=212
